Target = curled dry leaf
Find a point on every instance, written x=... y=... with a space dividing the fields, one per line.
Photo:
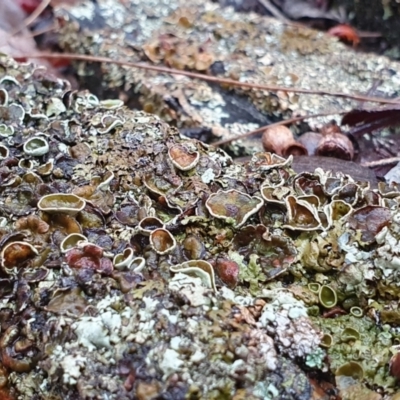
x=369 y=119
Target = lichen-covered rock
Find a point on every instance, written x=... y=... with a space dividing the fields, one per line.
x=287 y=318
x=202 y=37
x=92 y=307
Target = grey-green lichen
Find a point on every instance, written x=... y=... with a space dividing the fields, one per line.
x=200 y=36
x=372 y=349
x=225 y=313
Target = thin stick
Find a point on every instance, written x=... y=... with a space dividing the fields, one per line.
x=39 y=9
x=285 y=122
x=44 y=30
x=273 y=10
x=381 y=163
x=274 y=88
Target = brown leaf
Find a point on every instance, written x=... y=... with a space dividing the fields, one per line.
x=368 y=120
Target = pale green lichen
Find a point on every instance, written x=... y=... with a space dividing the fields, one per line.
x=252 y=274
x=315 y=359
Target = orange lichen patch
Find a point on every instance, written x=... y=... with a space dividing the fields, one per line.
x=85 y=191
x=179 y=54
x=62 y=223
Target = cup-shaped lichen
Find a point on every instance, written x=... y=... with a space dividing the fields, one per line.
x=302 y=215
x=349 y=334
x=137 y=264
x=16 y=254
x=71 y=241
x=149 y=224
x=327 y=296
x=356 y=311
x=327 y=340
x=36 y=146
x=200 y=268
x=314 y=287
x=351 y=369
x=62 y=203
x=4 y=152
x=182 y=157
x=123 y=259
x=162 y=241
x=233 y=206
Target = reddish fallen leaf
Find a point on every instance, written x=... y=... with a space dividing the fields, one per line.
x=14 y=46
x=11 y=16
x=345 y=33
x=394 y=365
x=29 y=6
x=59 y=63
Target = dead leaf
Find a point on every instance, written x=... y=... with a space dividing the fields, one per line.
x=371 y=119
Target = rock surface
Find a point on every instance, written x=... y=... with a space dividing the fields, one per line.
x=201 y=37
x=97 y=300
x=139 y=264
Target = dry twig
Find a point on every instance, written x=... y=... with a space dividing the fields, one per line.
x=44 y=30
x=273 y=10
x=172 y=71
x=381 y=163
x=28 y=21
x=214 y=79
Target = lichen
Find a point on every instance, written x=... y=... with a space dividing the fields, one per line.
x=76 y=325
x=202 y=37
